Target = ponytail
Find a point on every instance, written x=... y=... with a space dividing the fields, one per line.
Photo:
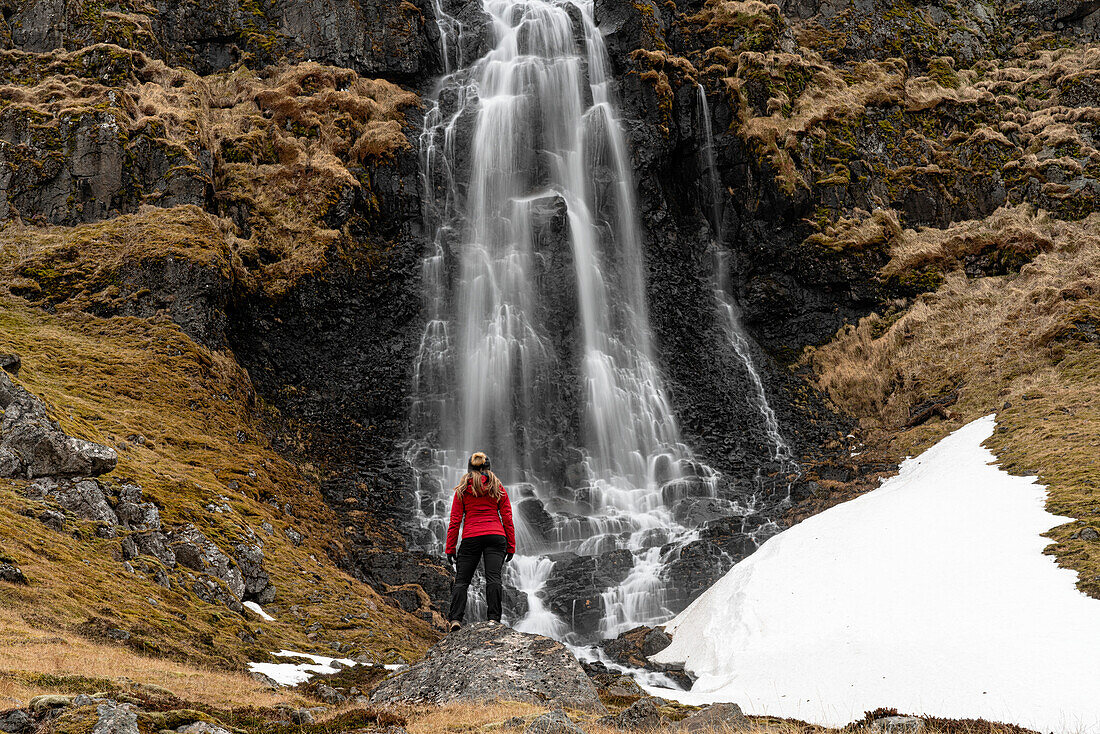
x=474 y=480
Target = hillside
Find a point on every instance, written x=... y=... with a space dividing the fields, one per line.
x=214 y=255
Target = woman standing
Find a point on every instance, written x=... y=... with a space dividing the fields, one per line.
x=482 y=509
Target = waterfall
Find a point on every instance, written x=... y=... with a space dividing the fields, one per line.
x=536 y=347
x=727 y=306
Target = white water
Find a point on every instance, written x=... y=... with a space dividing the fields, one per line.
x=727 y=305
x=531 y=203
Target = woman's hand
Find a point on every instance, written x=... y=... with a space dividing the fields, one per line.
x=451 y=560
x=508 y=557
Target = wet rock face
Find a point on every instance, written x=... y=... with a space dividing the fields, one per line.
x=575 y=586
x=32 y=445
x=633 y=647
x=491 y=662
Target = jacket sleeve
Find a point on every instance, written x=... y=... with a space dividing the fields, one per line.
x=504 y=506
x=457 y=511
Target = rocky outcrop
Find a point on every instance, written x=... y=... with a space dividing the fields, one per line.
x=633 y=648
x=33 y=445
x=491 y=662
x=195 y=551
x=257 y=583
x=575 y=586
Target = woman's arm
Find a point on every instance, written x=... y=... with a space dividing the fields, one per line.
x=504 y=507
x=457 y=511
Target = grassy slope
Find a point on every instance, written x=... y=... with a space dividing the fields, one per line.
x=1021 y=345
x=114 y=378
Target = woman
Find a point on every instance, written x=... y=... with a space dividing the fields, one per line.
x=482 y=509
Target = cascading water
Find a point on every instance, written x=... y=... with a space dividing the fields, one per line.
x=537 y=346
x=727 y=306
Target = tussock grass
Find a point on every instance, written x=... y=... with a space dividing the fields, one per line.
x=293 y=141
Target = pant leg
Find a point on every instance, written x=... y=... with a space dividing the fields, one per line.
x=467 y=558
x=496 y=547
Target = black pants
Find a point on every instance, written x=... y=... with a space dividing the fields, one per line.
x=492 y=548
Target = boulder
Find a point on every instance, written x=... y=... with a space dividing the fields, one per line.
x=12 y=574
x=257 y=583
x=10 y=363
x=202 y=727
x=641 y=715
x=715 y=717
x=15 y=721
x=554 y=722
x=491 y=662
x=115 y=718
x=32 y=445
x=195 y=551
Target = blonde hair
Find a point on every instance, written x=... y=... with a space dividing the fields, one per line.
x=477 y=468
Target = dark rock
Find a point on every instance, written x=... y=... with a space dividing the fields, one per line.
x=302 y=716
x=12 y=574
x=15 y=721
x=554 y=722
x=618 y=687
x=195 y=551
x=155 y=544
x=389 y=570
x=574 y=589
x=642 y=715
x=1090 y=534
x=489 y=661
x=717 y=716
x=655 y=641
x=329 y=695
x=134 y=512
x=52 y=519
x=210 y=591
x=86 y=499
x=10 y=363
x=33 y=445
x=250 y=560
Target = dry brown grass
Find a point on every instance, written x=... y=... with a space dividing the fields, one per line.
x=27 y=651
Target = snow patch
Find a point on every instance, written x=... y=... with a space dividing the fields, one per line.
x=930 y=594
x=259 y=610
x=291 y=674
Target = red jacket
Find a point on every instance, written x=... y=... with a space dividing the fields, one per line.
x=481 y=516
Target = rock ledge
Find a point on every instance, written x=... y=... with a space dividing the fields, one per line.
x=492 y=662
